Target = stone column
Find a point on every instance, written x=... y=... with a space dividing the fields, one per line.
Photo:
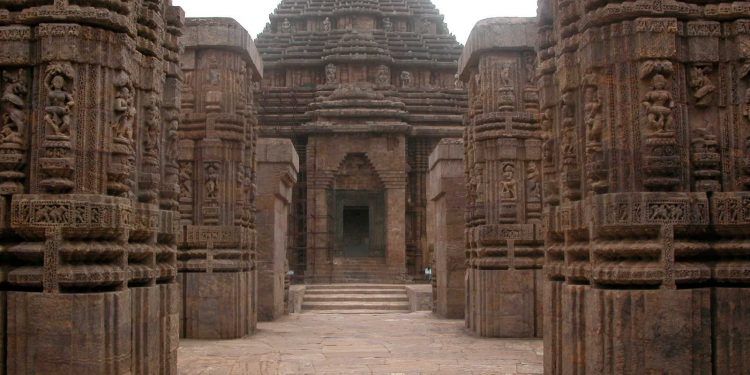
x=504 y=194
x=646 y=249
x=278 y=165
x=446 y=195
x=89 y=251
x=216 y=172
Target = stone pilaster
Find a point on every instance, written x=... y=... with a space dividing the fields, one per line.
x=504 y=178
x=646 y=119
x=446 y=195
x=278 y=165
x=216 y=175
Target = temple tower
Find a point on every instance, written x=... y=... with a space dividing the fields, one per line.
x=365 y=90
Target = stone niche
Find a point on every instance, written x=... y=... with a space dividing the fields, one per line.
x=278 y=165
x=446 y=195
x=503 y=142
x=217 y=180
x=88 y=187
x=646 y=169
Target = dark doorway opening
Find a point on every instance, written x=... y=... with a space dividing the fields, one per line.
x=356 y=231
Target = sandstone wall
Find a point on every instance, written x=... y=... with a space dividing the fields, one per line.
x=504 y=237
x=278 y=165
x=88 y=186
x=446 y=194
x=645 y=115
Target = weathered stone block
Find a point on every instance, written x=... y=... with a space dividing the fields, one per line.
x=69 y=333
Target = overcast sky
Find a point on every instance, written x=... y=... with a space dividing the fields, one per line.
x=461 y=15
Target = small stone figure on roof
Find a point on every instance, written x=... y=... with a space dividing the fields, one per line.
x=331 y=74
x=405 y=79
x=383 y=77
x=327 y=25
x=286 y=26
x=387 y=24
x=425 y=27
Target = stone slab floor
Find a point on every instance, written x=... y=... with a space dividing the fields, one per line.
x=313 y=343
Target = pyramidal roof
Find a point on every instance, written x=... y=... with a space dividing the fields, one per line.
x=393 y=32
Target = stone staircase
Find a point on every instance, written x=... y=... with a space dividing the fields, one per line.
x=355 y=299
x=368 y=270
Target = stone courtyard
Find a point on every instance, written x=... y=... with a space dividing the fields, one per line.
x=317 y=343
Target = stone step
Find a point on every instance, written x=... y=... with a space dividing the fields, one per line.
x=357 y=297
x=355 y=305
x=315 y=292
x=355 y=286
x=354 y=312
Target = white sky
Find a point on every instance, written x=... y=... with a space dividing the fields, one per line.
x=461 y=15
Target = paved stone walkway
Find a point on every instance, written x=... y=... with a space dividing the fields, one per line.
x=310 y=343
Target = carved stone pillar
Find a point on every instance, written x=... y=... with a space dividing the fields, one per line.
x=504 y=198
x=216 y=177
x=278 y=165
x=446 y=195
x=89 y=254
x=646 y=251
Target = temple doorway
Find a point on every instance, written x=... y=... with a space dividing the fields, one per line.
x=356 y=236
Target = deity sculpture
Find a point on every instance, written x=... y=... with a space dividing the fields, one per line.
x=286 y=26
x=425 y=26
x=505 y=74
x=658 y=105
x=59 y=100
x=327 y=25
x=153 y=131
x=186 y=178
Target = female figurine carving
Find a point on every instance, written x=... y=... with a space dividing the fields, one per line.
x=327 y=25
x=533 y=183
x=659 y=104
x=59 y=101
x=125 y=109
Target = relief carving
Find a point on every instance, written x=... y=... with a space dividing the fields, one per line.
x=387 y=24
x=212 y=181
x=13 y=108
x=662 y=163
x=406 y=79
x=383 y=76
x=327 y=25
x=704 y=89
x=331 y=74
x=57 y=162
x=59 y=99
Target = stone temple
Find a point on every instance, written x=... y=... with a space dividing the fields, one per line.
x=574 y=188
x=365 y=90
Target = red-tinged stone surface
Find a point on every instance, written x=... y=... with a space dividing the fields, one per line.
x=88 y=186
x=217 y=161
x=446 y=194
x=278 y=166
x=645 y=120
x=504 y=238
